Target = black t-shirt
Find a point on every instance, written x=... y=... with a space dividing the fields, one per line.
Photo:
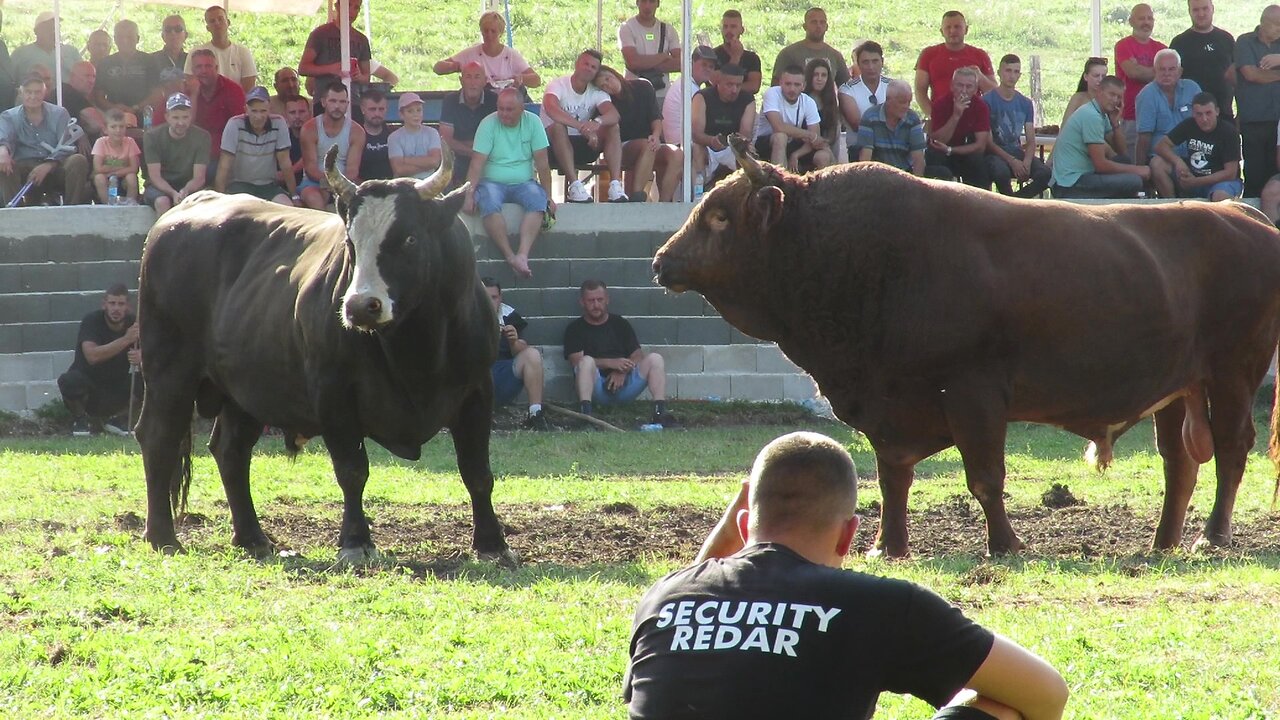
x=74 y=101
x=463 y=119
x=613 y=339
x=509 y=317
x=767 y=634
x=1205 y=59
x=637 y=112
x=722 y=117
x=375 y=163
x=125 y=80
x=94 y=329
x=1207 y=152
x=750 y=61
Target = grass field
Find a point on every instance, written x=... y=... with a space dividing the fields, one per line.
x=93 y=624
x=410 y=36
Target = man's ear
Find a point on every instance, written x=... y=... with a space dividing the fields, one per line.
x=768 y=202
x=847 y=531
x=743 y=518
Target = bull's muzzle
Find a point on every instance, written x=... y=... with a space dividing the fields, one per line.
x=668 y=272
x=365 y=312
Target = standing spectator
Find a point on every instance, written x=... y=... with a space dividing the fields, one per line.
x=98 y=383
x=124 y=78
x=414 y=149
x=98 y=46
x=177 y=156
x=1258 y=99
x=1081 y=166
x=1208 y=55
x=1135 y=61
x=297 y=111
x=1162 y=104
x=503 y=66
x=732 y=51
x=608 y=363
x=818 y=85
x=715 y=113
x=36 y=147
x=813 y=45
x=788 y=124
x=234 y=60
x=173 y=33
x=582 y=123
x=892 y=133
x=509 y=148
x=1211 y=169
x=40 y=52
x=650 y=47
x=116 y=155
x=1012 y=153
x=863 y=92
x=375 y=163
x=641 y=133
x=322 y=132
x=255 y=147
x=937 y=64
x=519 y=364
x=286 y=84
x=321 y=60
x=77 y=98
x=703 y=70
x=460 y=115
x=960 y=130
x=218 y=99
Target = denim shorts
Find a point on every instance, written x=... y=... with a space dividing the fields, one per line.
x=491 y=195
x=629 y=391
x=506 y=386
x=1233 y=188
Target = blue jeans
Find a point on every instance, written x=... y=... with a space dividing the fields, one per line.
x=629 y=391
x=1233 y=188
x=1100 y=186
x=491 y=195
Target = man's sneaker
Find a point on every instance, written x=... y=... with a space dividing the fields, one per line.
x=666 y=420
x=577 y=193
x=537 y=422
x=80 y=427
x=617 y=193
x=118 y=426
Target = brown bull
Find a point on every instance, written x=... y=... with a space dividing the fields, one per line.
x=932 y=314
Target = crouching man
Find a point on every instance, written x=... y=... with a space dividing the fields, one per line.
x=98 y=383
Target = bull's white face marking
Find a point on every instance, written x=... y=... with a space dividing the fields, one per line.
x=368 y=229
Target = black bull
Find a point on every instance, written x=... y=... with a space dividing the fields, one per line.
x=931 y=315
x=367 y=324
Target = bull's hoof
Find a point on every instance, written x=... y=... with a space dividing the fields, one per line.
x=358 y=556
x=886 y=553
x=1006 y=549
x=260 y=551
x=504 y=558
x=167 y=545
x=1207 y=541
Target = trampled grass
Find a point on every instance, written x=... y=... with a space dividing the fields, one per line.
x=93 y=624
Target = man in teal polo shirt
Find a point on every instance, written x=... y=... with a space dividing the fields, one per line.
x=1081 y=166
x=509 y=145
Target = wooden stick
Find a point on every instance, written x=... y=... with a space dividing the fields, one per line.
x=579 y=416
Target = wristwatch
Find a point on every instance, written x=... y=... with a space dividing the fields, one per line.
x=948 y=151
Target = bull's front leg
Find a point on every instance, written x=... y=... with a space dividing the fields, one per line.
x=895 y=485
x=976 y=415
x=351 y=467
x=471 y=445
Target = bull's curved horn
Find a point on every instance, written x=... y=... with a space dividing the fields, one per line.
x=435 y=183
x=742 y=151
x=338 y=183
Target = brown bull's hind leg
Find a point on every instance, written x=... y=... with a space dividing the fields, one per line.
x=163 y=431
x=895 y=486
x=231 y=443
x=1180 y=471
x=471 y=446
x=1233 y=436
x=976 y=416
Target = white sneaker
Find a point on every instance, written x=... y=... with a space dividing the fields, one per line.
x=617 y=193
x=577 y=193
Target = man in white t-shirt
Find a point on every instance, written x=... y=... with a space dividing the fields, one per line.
x=787 y=129
x=582 y=122
x=861 y=93
x=650 y=47
x=414 y=149
x=703 y=68
x=234 y=60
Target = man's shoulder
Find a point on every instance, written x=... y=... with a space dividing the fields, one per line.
x=94 y=319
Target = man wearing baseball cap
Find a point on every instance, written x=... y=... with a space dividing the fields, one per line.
x=177 y=156
x=36 y=147
x=255 y=145
x=414 y=149
x=40 y=52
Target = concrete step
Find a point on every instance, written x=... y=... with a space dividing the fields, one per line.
x=50 y=307
x=28 y=396
x=570 y=272
x=38 y=336
x=74 y=234
x=651 y=330
x=635 y=244
x=534 y=302
x=49 y=277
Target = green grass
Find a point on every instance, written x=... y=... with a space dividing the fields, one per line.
x=93 y=624
x=410 y=36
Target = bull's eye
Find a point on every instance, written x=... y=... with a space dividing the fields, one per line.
x=409 y=240
x=717 y=221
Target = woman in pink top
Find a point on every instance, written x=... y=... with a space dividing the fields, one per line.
x=503 y=66
x=116 y=155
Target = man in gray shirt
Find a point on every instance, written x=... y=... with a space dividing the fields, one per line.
x=36 y=146
x=254 y=146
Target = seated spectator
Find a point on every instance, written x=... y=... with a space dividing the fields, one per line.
x=171 y=56
x=23 y=61
x=503 y=66
x=36 y=146
x=460 y=114
x=172 y=80
x=702 y=71
x=1012 y=152
x=640 y=130
x=218 y=99
x=97 y=385
x=864 y=91
x=608 y=363
x=813 y=45
x=321 y=60
x=1210 y=169
x=732 y=52
x=510 y=146
x=124 y=78
x=375 y=163
x=116 y=155
x=1162 y=104
x=177 y=156
x=892 y=133
x=818 y=85
x=255 y=152
x=322 y=132
x=98 y=46
x=77 y=98
x=297 y=111
x=715 y=113
x=582 y=123
x=789 y=124
x=519 y=364
x=414 y=149
x=234 y=61
x=1095 y=68
x=1081 y=165
x=650 y=47
x=286 y=84
x=960 y=130
x=780 y=544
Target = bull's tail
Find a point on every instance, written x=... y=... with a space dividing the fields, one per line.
x=1273 y=447
x=180 y=486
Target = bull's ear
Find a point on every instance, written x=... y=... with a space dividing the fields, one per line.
x=454 y=200
x=768 y=202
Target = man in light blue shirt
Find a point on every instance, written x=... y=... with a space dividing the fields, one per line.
x=509 y=146
x=1163 y=103
x=36 y=146
x=1081 y=167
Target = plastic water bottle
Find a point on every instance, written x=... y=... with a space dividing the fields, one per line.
x=147 y=112
x=651 y=427
x=113 y=190
x=698 y=182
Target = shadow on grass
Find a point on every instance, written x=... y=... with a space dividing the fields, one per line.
x=467 y=569
x=972 y=570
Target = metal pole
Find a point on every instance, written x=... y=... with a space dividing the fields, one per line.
x=344 y=27
x=600 y=25
x=57 y=51
x=1095 y=24
x=686 y=73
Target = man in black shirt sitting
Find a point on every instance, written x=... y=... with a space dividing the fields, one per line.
x=375 y=161
x=98 y=382
x=716 y=113
x=768 y=625
x=460 y=115
x=608 y=364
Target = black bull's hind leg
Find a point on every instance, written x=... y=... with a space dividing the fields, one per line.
x=895 y=485
x=234 y=435
x=164 y=433
x=351 y=467
x=471 y=444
